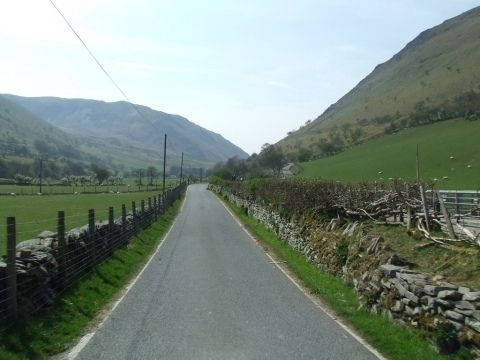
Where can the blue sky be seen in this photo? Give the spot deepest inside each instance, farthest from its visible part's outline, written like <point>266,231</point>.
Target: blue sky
<point>250,70</point>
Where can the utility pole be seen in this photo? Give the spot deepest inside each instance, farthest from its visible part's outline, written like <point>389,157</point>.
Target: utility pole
<point>181,169</point>
<point>41,174</point>
<point>201,175</point>
<point>164,161</point>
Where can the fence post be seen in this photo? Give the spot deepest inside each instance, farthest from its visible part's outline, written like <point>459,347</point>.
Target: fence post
<point>457,205</point>
<point>91,235</point>
<point>142,213</point>
<point>11,265</point>
<point>150,210</point>
<point>445,214</point>
<point>425,207</point>
<point>110,230</point>
<point>409,217</point>
<point>134,215</point>
<point>155,207</point>
<point>62,247</point>
<point>124,223</point>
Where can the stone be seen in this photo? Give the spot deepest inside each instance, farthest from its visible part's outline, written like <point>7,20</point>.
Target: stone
<point>417,310</point>
<point>463,289</point>
<point>464,305</point>
<point>412,278</point>
<point>390,270</point>
<point>406,294</point>
<point>455,316</point>
<point>444,303</point>
<point>416,289</point>
<point>46,234</point>
<point>409,310</point>
<point>471,296</point>
<point>437,278</point>
<point>449,295</point>
<point>448,286</point>
<point>428,301</point>
<point>475,325</point>
<point>434,289</point>
<point>398,307</point>
<point>476,315</point>
<point>464,312</point>
<point>406,301</point>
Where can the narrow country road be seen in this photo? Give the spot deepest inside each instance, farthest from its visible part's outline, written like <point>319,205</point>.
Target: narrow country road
<point>211,293</point>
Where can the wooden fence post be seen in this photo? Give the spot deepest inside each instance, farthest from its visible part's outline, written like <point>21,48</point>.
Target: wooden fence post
<point>425,207</point>
<point>11,266</point>
<point>142,216</point>
<point>124,223</point>
<point>62,247</point>
<point>110,230</point>
<point>150,215</point>
<point>91,235</point>
<point>155,208</point>
<point>457,205</point>
<point>446,216</point>
<point>134,215</point>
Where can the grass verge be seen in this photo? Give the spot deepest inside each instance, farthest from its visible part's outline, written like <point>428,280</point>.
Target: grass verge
<point>392,340</point>
<point>52,332</point>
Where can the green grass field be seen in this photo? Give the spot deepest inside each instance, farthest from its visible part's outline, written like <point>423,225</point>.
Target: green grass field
<point>129,186</point>
<point>37,213</point>
<point>50,332</point>
<point>394,156</point>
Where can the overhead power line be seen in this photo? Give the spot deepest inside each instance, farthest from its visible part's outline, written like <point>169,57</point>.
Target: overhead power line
<point>97,61</point>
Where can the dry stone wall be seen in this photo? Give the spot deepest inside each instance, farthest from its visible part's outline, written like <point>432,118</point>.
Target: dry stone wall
<point>384,281</point>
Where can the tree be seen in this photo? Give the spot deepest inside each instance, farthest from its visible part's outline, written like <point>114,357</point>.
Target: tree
<point>101,173</point>
<point>272,158</point>
<point>304,154</point>
<point>152,172</point>
<point>356,134</point>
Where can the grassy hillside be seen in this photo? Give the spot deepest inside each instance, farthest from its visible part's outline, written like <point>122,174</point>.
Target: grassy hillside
<point>431,79</point>
<point>25,137</point>
<point>394,155</point>
<point>117,130</point>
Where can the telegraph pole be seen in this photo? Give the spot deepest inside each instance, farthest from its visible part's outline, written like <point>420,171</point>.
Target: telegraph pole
<point>181,169</point>
<point>201,175</point>
<point>164,161</point>
<point>41,174</point>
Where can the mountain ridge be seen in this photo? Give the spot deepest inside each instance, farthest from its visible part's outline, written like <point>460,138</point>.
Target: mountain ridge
<point>431,70</point>
<point>118,122</point>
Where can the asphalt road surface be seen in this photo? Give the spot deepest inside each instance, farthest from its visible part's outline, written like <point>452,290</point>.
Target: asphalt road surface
<point>211,293</point>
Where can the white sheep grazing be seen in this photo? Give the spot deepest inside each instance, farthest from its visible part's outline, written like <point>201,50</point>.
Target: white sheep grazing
<point>13,194</point>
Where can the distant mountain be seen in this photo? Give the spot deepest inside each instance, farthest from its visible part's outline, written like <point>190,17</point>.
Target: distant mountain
<point>434,78</point>
<point>24,136</point>
<point>128,137</point>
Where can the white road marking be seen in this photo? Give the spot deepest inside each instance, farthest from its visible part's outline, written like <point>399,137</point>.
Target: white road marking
<point>312,298</point>
<point>86,338</point>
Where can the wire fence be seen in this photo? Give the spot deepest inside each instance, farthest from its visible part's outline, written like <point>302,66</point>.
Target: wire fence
<point>420,206</point>
<point>34,272</point>
<point>16,190</point>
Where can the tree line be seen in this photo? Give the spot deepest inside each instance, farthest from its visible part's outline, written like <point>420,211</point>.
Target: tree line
<point>269,162</point>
